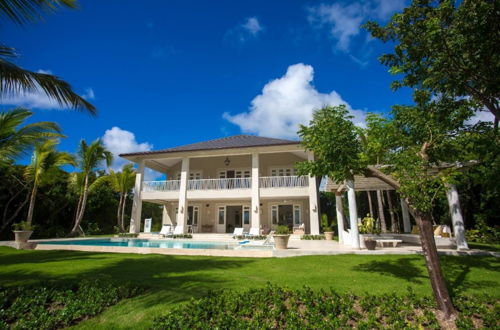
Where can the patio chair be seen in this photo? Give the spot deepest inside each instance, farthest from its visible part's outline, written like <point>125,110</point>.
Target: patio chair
<point>253,232</point>
<point>165,230</point>
<point>178,230</point>
<point>238,231</point>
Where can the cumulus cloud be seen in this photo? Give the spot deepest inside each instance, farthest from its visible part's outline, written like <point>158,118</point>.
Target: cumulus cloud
<point>343,21</point>
<point>287,102</point>
<point>38,99</point>
<point>120,141</point>
<point>249,29</point>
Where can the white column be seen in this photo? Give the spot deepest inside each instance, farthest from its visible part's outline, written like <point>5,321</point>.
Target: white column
<point>166,219</point>
<point>340,215</point>
<point>406,216</point>
<point>353,214</point>
<point>255,211</point>
<point>456,217</point>
<point>135,217</point>
<point>313,201</point>
<point>182,209</point>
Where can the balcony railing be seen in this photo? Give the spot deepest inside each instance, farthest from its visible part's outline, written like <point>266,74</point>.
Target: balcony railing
<point>224,184</point>
<point>283,181</point>
<point>170,185</point>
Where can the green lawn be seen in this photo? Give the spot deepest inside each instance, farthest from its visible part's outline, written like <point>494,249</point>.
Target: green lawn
<point>175,279</point>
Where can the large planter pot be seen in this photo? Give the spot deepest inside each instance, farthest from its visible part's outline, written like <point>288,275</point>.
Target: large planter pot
<point>281,241</point>
<point>329,235</point>
<point>370,244</point>
<point>22,236</point>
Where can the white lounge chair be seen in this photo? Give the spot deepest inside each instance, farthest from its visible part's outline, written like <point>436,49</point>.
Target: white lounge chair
<point>165,230</point>
<point>179,230</point>
<point>238,231</point>
<point>253,232</point>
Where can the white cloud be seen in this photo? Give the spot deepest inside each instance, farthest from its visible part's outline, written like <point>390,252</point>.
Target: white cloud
<point>249,29</point>
<point>120,141</point>
<point>252,25</point>
<point>38,99</point>
<point>344,21</point>
<point>287,102</point>
<point>485,116</point>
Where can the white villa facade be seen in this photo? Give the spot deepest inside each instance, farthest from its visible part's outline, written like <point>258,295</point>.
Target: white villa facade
<point>238,181</point>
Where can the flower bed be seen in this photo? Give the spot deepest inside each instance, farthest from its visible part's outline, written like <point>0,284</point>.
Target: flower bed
<point>274,307</point>
<point>51,306</point>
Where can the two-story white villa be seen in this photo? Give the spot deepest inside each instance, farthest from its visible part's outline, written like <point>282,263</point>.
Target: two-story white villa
<point>237,181</point>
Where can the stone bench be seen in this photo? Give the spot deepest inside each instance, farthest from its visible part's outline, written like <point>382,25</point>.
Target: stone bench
<point>394,242</point>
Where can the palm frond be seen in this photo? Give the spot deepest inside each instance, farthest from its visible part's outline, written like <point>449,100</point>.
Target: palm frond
<point>15,80</point>
<point>26,11</point>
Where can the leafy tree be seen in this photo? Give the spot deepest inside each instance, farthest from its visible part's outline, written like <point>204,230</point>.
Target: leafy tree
<point>446,47</point>
<point>16,140</point>
<point>14,79</point>
<point>45,158</point>
<point>423,138</point>
<point>89,158</point>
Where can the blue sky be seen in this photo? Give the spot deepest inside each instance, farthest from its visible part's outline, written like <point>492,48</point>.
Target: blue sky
<point>167,73</point>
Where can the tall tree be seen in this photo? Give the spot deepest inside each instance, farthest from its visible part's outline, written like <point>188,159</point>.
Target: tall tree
<point>446,47</point>
<point>421,137</point>
<point>89,158</point>
<point>14,79</point>
<point>45,158</point>
<point>16,140</point>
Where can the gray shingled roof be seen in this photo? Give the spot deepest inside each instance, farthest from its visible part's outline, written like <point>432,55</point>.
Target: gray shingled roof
<point>236,141</point>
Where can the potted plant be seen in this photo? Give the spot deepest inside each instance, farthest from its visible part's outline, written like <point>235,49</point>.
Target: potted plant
<point>327,228</point>
<point>22,231</point>
<point>367,226</point>
<point>281,237</point>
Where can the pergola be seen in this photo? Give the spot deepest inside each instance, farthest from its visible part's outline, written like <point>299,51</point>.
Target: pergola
<point>368,184</point>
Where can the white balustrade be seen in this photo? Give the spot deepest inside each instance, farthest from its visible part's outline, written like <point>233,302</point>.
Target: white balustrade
<point>232,183</point>
<point>170,185</point>
<point>283,181</point>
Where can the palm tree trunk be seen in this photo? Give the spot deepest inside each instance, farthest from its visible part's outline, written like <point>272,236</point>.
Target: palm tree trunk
<point>29,218</point>
<point>123,212</point>
<point>381,215</point>
<point>370,204</point>
<point>394,221</point>
<point>118,211</point>
<point>79,215</point>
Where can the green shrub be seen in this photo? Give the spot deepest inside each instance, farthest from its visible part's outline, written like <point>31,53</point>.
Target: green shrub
<point>313,237</point>
<point>51,306</point>
<point>92,228</point>
<point>275,307</point>
<point>23,225</point>
<point>183,236</point>
<point>130,235</point>
<point>282,230</point>
<point>258,237</point>
<point>482,233</point>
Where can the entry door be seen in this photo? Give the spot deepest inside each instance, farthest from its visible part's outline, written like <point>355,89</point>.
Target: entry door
<point>221,219</point>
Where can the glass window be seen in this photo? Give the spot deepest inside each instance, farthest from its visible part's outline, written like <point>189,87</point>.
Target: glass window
<point>222,174</point>
<point>222,210</point>
<point>296,215</point>
<point>274,214</point>
<point>195,215</point>
<point>246,215</point>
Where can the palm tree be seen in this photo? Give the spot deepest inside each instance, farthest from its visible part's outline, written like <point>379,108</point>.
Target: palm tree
<point>45,158</point>
<point>89,158</point>
<point>16,140</point>
<point>14,79</point>
<point>121,182</point>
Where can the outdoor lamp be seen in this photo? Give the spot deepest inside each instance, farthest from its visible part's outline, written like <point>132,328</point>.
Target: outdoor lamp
<point>227,161</point>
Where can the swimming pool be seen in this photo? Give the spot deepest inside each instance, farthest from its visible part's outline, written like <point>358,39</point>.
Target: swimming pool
<point>147,243</point>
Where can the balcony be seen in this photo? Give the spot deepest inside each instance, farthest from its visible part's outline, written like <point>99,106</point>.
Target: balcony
<point>228,184</point>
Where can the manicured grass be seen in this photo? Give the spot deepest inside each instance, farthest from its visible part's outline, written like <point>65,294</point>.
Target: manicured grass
<point>175,279</point>
<point>484,246</point>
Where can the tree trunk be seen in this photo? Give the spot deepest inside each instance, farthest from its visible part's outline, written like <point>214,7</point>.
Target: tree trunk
<point>394,222</point>
<point>119,212</point>
<point>424,222</point>
<point>122,223</point>
<point>381,215</point>
<point>79,216</point>
<point>370,204</point>
<point>29,218</point>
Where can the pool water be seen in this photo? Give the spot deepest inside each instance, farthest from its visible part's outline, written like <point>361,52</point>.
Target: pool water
<point>126,242</point>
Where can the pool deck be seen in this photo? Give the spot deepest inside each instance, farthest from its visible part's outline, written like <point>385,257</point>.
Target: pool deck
<point>296,247</point>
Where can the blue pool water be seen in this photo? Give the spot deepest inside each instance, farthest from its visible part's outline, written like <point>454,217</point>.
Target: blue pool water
<point>125,242</point>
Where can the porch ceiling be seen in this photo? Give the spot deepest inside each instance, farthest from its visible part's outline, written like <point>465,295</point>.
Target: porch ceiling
<point>361,183</point>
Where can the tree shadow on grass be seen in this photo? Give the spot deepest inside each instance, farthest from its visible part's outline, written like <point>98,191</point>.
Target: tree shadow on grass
<point>403,268</point>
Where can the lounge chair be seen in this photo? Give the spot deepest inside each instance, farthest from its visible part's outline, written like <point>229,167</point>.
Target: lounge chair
<point>165,230</point>
<point>253,232</point>
<point>178,230</point>
<point>238,231</point>
<point>267,241</point>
